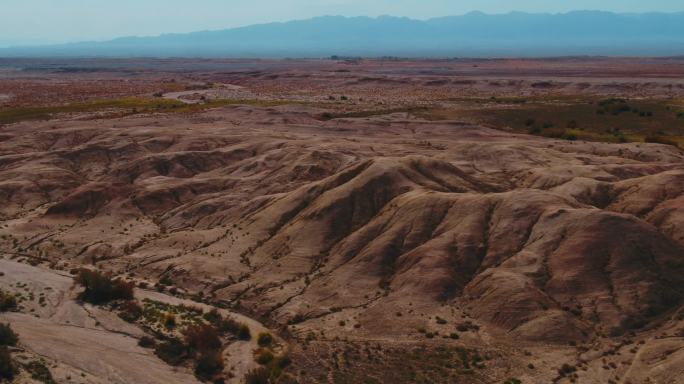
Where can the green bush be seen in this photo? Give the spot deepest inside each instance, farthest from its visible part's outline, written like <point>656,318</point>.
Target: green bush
<point>7,336</point>
<point>100,289</point>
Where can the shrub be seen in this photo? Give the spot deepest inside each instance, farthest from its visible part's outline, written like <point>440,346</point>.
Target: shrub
<point>208,365</point>
<point>172,351</point>
<point>512,381</point>
<point>278,364</point>
<point>169,321</point>
<point>7,368</point>
<point>265,339</point>
<point>40,372</point>
<point>213,316</point>
<point>7,301</point>
<point>243,333</point>
<point>660,140</point>
<point>467,326</point>
<point>264,357</point>
<point>7,336</point>
<point>229,326</point>
<point>298,318</point>
<point>257,376</point>
<point>327,116</point>
<point>146,342</point>
<point>566,369</point>
<point>101,289</point>
<point>130,311</point>
<point>202,338</point>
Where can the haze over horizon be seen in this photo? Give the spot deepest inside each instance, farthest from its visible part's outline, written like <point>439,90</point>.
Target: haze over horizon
<point>43,22</point>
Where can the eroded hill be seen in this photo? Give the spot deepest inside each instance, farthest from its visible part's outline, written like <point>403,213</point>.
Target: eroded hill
<point>513,254</point>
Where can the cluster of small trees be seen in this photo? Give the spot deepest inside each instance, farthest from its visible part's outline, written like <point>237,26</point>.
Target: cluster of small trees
<point>101,289</point>
<point>203,344</point>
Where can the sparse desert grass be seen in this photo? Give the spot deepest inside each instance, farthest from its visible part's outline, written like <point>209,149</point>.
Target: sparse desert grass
<point>131,105</point>
<point>158,315</point>
<point>369,363</point>
<point>125,106</point>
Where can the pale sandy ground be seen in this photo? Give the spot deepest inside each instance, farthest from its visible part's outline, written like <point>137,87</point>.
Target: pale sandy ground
<point>222,91</point>
<point>95,342</point>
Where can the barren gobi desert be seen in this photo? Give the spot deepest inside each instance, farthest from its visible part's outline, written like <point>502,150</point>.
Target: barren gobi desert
<point>356,218</point>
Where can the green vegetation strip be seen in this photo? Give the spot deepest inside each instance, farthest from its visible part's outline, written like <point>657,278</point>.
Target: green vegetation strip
<point>126,106</point>
<point>609,120</point>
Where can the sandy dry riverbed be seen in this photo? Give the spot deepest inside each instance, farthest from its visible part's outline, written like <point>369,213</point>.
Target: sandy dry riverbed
<point>92,343</point>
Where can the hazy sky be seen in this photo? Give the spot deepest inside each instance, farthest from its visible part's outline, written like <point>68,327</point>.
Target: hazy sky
<point>53,21</point>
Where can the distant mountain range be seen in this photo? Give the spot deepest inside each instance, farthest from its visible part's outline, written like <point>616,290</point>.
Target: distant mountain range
<point>474,34</point>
